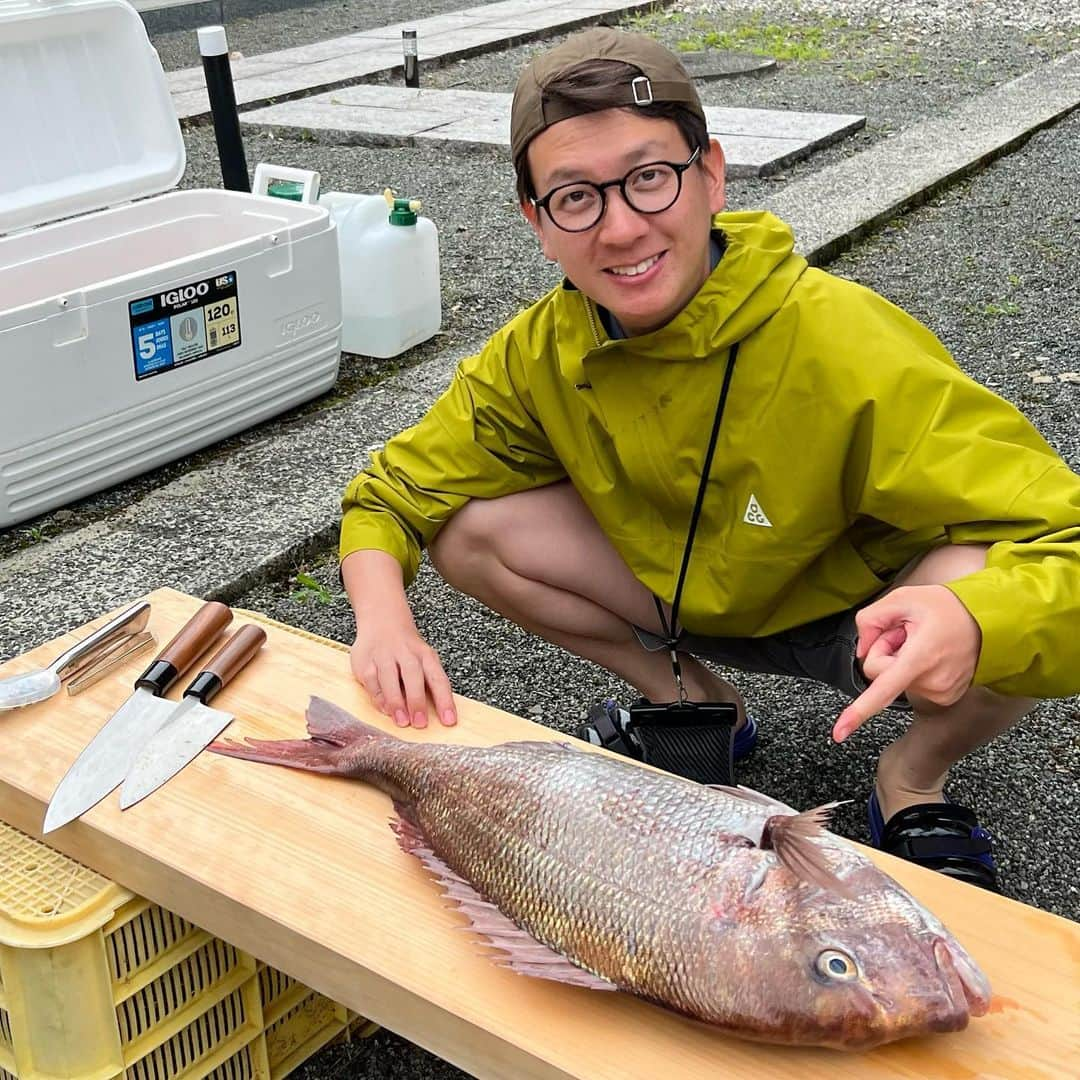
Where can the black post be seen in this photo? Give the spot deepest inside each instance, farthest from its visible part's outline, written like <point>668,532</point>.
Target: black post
<point>219,85</point>
<point>412,59</point>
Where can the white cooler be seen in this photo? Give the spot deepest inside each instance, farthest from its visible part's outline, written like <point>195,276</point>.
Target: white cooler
<point>134,332</point>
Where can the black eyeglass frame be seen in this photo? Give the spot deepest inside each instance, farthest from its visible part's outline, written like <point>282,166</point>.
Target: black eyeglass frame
<point>676,167</point>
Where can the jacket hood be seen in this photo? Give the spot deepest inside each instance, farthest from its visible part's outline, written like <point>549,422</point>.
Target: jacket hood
<point>746,287</point>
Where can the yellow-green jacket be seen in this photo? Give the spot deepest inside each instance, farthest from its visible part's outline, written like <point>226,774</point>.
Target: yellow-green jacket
<point>850,443</point>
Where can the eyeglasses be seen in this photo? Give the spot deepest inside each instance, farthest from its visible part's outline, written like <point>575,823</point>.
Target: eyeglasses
<point>648,189</point>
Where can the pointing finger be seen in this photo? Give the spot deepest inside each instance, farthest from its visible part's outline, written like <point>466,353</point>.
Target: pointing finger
<point>883,691</point>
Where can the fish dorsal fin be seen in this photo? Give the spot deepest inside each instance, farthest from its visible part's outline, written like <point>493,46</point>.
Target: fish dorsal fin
<point>553,745</point>
<point>330,723</point>
<point>524,954</point>
<point>751,796</point>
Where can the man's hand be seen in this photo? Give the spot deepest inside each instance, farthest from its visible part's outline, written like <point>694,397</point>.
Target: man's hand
<point>917,639</point>
<point>390,659</point>
<point>399,669</point>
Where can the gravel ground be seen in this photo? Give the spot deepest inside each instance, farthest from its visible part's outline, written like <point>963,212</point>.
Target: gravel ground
<point>991,266</point>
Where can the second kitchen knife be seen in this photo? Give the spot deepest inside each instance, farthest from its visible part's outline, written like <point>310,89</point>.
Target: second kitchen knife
<point>191,726</point>
<point>105,761</point>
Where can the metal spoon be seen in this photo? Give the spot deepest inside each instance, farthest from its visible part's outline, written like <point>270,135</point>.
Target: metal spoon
<point>31,686</point>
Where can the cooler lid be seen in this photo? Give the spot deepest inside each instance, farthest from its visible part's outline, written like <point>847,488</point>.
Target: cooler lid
<point>86,120</point>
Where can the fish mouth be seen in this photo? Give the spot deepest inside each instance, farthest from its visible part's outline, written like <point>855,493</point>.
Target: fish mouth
<point>966,988</point>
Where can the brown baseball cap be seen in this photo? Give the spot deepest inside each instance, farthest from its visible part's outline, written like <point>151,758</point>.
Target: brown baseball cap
<point>662,78</point>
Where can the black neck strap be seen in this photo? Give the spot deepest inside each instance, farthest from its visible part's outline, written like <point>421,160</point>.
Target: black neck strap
<point>672,632</point>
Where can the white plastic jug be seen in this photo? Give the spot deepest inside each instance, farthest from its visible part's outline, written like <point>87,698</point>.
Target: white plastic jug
<point>342,203</point>
<point>390,286</point>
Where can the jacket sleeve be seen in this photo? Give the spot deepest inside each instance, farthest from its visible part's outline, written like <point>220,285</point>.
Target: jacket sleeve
<point>938,449</point>
<point>481,439</point>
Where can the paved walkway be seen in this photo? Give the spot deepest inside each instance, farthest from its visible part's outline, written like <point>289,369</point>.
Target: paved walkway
<point>345,60</point>
<point>863,191</point>
<point>757,142</point>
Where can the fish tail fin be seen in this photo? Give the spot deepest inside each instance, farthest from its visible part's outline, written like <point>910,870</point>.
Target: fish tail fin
<point>335,737</point>
<point>295,753</point>
<point>791,837</point>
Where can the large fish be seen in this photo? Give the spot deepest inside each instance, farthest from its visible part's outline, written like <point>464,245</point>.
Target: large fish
<point>721,904</point>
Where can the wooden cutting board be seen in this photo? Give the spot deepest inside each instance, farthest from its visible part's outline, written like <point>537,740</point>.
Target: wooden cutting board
<point>303,872</point>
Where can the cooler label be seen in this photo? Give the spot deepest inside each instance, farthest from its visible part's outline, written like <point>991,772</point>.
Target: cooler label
<point>185,324</point>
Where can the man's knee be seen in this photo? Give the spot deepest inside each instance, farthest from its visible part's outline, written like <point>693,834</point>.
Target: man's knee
<point>510,530</point>
<point>465,541</point>
<point>947,563</point>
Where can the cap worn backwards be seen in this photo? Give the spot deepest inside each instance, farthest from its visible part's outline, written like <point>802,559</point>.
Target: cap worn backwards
<point>662,78</point>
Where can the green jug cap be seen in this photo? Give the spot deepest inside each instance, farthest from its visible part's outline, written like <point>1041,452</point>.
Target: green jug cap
<point>403,212</point>
<point>286,189</point>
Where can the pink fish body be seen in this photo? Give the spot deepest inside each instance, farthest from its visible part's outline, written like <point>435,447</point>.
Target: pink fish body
<point>721,904</point>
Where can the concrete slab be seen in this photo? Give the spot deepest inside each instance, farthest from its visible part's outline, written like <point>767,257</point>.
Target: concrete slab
<point>854,196</point>
<point>710,64</point>
<point>340,61</point>
<point>756,141</point>
<point>512,8</point>
<point>477,130</point>
<point>245,68</point>
<point>324,50</point>
<point>464,40</point>
<point>425,28</point>
<point>780,123</point>
<point>762,155</point>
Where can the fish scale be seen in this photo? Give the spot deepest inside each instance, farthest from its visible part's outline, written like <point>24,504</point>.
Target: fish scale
<point>597,915</point>
<point>721,904</point>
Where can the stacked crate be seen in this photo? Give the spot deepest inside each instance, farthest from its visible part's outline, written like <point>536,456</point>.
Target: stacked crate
<point>99,984</point>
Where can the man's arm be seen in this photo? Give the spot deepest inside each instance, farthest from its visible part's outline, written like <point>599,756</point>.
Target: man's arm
<point>479,440</point>
<point>949,453</point>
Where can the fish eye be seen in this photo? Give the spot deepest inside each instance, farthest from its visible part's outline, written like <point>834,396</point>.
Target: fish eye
<point>836,965</point>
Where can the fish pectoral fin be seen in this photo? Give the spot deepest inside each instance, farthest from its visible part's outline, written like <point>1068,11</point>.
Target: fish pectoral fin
<point>792,838</point>
<point>524,954</point>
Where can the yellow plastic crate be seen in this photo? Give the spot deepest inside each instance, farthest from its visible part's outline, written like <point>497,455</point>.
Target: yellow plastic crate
<point>98,984</point>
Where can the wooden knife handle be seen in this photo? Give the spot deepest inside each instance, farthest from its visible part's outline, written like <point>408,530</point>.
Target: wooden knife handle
<point>236,652</point>
<point>226,662</point>
<point>184,649</point>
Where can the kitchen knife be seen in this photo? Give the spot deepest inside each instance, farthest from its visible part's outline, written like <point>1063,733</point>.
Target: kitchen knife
<point>191,726</point>
<point>105,761</point>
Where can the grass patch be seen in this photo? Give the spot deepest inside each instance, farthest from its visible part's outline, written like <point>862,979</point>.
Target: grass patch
<point>996,309</point>
<point>787,41</point>
<point>309,590</point>
<point>764,39</point>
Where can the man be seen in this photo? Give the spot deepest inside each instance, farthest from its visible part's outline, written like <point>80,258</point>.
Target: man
<point>871,517</point>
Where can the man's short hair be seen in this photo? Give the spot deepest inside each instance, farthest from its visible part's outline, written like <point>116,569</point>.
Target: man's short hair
<point>595,70</point>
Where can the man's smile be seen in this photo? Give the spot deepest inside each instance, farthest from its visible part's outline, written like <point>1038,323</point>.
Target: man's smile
<point>636,269</point>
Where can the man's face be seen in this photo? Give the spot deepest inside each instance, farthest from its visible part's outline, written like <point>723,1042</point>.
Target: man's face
<point>644,268</point>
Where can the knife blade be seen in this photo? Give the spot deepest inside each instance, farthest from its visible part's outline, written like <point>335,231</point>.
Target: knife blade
<point>106,759</point>
<point>191,726</point>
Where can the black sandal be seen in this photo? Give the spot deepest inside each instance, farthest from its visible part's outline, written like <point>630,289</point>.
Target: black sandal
<point>940,836</point>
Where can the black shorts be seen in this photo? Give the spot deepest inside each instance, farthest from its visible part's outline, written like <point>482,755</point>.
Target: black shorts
<point>823,650</point>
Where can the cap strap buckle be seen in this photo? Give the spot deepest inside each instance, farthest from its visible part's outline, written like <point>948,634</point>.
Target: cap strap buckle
<point>641,88</point>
